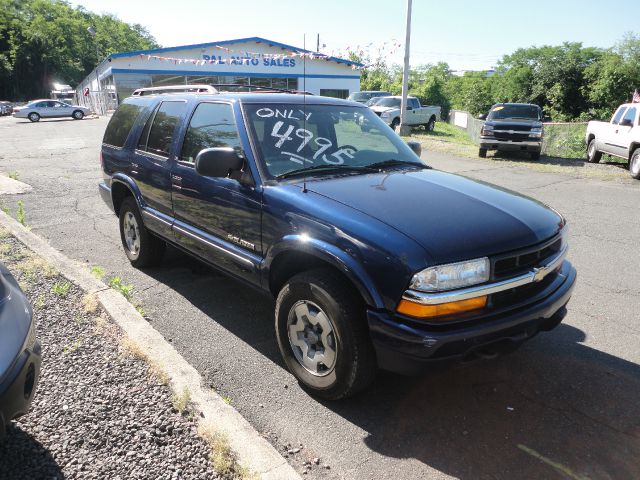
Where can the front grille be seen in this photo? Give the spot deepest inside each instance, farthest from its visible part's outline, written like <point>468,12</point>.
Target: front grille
<point>521,294</point>
<point>515,128</point>
<point>514,137</point>
<point>514,264</point>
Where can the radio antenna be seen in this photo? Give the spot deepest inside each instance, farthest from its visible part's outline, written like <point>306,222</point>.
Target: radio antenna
<point>304,103</point>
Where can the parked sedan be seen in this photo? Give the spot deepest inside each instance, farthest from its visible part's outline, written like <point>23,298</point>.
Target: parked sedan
<point>38,109</point>
<point>20,352</point>
<point>5,108</point>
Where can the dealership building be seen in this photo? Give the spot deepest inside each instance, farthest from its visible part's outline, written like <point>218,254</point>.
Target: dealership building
<point>247,61</point>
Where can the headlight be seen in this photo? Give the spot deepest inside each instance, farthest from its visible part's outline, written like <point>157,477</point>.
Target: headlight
<point>536,132</point>
<point>385,115</point>
<point>452,276</point>
<point>564,237</point>
<point>486,130</point>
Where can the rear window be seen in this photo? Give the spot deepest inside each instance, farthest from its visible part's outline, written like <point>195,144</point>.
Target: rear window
<point>121,123</point>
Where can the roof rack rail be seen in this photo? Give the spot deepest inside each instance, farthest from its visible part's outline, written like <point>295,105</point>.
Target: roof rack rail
<point>220,87</point>
<point>196,88</point>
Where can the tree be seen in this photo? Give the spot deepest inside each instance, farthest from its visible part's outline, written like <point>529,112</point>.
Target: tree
<point>42,41</point>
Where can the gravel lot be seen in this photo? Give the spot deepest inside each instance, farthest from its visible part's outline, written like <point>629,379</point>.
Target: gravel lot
<point>99,412</point>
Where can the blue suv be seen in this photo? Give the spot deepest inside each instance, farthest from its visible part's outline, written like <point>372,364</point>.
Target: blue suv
<point>375,259</point>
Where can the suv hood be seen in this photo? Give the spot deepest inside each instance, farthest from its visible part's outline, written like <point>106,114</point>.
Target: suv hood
<point>516,122</point>
<point>376,108</point>
<point>453,218</point>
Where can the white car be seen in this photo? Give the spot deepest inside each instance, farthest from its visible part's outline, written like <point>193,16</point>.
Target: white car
<point>619,137</point>
<point>44,108</point>
<point>388,109</point>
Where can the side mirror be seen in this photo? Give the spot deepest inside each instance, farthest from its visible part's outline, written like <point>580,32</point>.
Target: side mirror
<point>218,162</point>
<point>482,116</point>
<point>546,118</point>
<point>415,146</point>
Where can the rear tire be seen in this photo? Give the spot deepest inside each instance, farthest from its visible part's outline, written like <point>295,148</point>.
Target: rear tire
<point>78,115</point>
<point>431,125</point>
<point>143,249</point>
<point>593,155</point>
<point>482,153</point>
<point>323,335</point>
<point>634,164</point>
<point>34,117</point>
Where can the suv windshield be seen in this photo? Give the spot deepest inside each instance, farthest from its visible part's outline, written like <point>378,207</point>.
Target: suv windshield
<point>293,137</point>
<point>359,96</point>
<point>389,102</point>
<point>529,112</point>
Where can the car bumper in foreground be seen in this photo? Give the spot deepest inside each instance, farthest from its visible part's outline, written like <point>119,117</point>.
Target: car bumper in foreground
<point>403,347</point>
<point>19,385</point>
<point>490,143</point>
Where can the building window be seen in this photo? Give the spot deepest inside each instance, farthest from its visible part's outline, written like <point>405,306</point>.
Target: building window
<point>334,92</point>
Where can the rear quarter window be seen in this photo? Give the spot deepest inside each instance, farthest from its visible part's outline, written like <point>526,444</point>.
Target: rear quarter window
<point>121,123</point>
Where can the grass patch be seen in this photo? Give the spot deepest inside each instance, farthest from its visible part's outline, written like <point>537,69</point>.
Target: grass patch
<point>89,304</point>
<point>181,401</point>
<point>20,214</point>
<point>13,175</point>
<point>98,272</point>
<point>71,348</point>
<point>445,138</point>
<point>224,460</point>
<point>125,289</point>
<point>61,289</point>
<point>564,141</point>
<point>34,266</point>
<point>141,311</point>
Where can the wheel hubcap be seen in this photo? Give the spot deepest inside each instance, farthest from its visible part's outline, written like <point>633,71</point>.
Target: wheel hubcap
<point>592,147</point>
<point>312,338</point>
<point>131,233</point>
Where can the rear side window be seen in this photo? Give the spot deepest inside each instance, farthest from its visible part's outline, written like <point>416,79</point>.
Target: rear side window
<point>212,125</point>
<point>121,123</point>
<point>618,115</point>
<point>164,124</point>
<point>630,116</point>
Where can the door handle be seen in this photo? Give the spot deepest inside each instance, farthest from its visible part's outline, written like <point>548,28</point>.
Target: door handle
<point>176,178</point>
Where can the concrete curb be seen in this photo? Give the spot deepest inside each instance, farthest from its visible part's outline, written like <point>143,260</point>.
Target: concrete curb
<point>253,451</point>
<point>9,186</point>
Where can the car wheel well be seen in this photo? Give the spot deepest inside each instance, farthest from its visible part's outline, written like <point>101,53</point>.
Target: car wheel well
<point>589,138</point>
<point>288,264</point>
<point>632,148</point>
<point>119,192</point>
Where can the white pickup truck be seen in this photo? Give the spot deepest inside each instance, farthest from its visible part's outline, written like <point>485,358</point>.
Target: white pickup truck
<point>388,108</point>
<point>619,137</point>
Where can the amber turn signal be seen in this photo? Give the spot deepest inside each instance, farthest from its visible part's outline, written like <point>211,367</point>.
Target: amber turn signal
<point>419,310</point>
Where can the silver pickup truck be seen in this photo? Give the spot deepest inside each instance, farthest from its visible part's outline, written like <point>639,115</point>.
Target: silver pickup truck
<point>619,137</point>
<point>388,109</point>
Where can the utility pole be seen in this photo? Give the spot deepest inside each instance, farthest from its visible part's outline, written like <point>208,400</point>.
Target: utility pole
<point>318,43</point>
<point>405,129</point>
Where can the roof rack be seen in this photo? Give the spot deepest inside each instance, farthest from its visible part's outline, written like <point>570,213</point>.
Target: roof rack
<point>221,86</point>
<point>213,89</point>
<point>174,89</point>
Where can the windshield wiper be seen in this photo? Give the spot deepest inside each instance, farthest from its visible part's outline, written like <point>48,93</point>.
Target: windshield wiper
<point>324,168</point>
<point>392,162</point>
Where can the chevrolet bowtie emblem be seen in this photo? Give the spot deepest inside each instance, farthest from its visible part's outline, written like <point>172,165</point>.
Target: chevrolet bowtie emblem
<point>539,274</point>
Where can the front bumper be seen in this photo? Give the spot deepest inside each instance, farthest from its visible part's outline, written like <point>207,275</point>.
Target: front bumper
<point>492,143</point>
<point>19,385</point>
<point>405,346</point>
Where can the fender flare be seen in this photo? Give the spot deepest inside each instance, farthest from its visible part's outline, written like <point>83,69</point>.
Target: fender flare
<point>332,255</point>
<point>130,184</point>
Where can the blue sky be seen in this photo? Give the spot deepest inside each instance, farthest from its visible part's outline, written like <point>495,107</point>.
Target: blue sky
<point>468,34</point>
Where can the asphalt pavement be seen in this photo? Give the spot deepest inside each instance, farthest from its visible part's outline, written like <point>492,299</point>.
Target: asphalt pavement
<point>563,406</point>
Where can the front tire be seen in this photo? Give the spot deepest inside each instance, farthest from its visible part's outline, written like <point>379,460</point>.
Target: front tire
<point>142,248</point>
<point>78,115</point>
<point>634,164</point>
<point>482,153</point>
<point>34,117</point>
<point>323,336</point>
<point>534,155</point>
<point>394,124</point>
<point>593,155</point>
